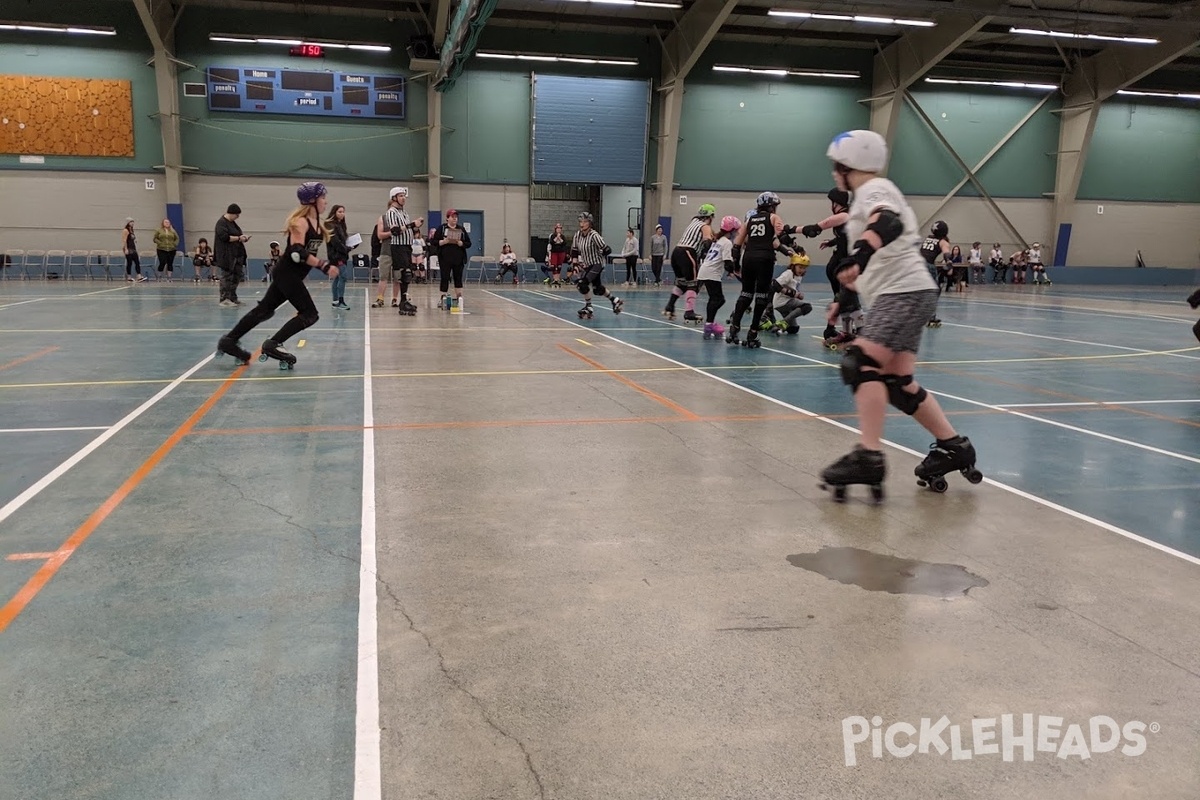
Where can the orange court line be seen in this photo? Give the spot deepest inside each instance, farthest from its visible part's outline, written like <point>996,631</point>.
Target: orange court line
<point>162,311</point>
<point>29,556</point>
<point>23,359</point>
<point>632,384</point>
<point>35,584</point>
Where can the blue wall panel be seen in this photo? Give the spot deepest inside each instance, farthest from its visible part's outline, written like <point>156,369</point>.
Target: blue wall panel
<point>590,130</point>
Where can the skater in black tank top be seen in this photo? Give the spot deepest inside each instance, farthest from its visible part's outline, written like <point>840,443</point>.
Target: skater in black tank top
<point>305,235</point>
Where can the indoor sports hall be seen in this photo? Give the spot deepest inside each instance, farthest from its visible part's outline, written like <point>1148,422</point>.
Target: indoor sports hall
<point>507,549</point>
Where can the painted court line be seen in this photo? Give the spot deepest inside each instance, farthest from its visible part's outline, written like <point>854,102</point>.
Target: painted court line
<point>1135,350</point>
<point>106,291</point>
<point>29,557</point>
<point>23,302</point>
<point>637,387</point>
<point>990,481</point>
<point>33,491</point>
<point>368,770</point>
<point>26,359</point>
<point>55,430</point>
<point>1097,403</point>
<point>48,570</point>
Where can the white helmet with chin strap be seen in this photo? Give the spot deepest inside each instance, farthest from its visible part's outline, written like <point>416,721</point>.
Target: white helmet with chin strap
<point>865,151</point>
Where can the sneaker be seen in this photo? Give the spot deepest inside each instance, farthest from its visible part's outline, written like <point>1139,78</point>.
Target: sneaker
<point>226,304</point>
<point>395,303</point>
<point>141,278</point>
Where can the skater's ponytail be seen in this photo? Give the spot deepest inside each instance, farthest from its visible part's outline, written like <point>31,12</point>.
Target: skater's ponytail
<point>301,213</point>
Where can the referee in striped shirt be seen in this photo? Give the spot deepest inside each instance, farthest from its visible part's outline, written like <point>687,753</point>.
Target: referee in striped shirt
<point>589,250</point>
<point>402,228</point>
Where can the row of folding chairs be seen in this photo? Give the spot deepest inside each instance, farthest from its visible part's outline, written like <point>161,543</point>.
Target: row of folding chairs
<point>77,264</point>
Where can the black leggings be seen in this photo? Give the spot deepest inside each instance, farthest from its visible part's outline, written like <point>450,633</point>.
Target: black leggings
<point>1196,330</point>
<point>287,286</point>
<point>656,268</point>
<point>716,299</point>
<point>132,260</point>
<point>455,271</point>
<point>166,260</point>
<point>631,269</point>
<point>756,288</point>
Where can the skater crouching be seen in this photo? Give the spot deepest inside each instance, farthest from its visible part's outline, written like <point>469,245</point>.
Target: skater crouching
<point>887,269</point>
<point>305,235</point>
<point>788,300</point>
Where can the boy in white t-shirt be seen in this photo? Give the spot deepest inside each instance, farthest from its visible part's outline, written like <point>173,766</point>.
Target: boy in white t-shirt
<point>886,268</point>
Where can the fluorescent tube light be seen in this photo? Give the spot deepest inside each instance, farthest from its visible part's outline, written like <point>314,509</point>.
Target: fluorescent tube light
<point>50,27</point>
<point>612,62</point>
<point>864,19</point>
<point>1091,36</point>
<point>783,72</point>
<point>641,3</point>
<point>1175,95</point>
<point>290,42</point>
<point>331,44</point>
<point>1049,87</point>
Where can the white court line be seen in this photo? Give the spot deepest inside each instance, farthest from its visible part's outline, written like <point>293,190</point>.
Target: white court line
<point>1096,403</point>
<point>1140,350</point>
<point>368,780</point>
<point>23,302</point>
<point>53,430</point>
<point>990,481</point>
<point>24,497</point>
<point>1091,312</point>
<point>103,291</point>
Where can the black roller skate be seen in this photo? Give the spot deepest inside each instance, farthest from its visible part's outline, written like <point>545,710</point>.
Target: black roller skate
<point>934,322</point>
<point>669,312</point>
<point>946,456</point>
<point>230,347</point>
<point>617,304</point>
<point>272,349</point>
<point>1194,299</point>
<point>692,317</point>
<point>858,466</point>
<point>732,336</point>
<point>752,341</point>
<point>587,311</point>
<point>407,309</point>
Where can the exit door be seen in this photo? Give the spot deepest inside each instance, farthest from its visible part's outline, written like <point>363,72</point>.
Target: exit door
<point>472,223</point>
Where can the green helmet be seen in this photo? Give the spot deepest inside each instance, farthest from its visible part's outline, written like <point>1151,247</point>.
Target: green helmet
<point>707,210</point>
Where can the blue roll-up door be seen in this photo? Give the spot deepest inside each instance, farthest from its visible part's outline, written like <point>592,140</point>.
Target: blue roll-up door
<point>590,130</point>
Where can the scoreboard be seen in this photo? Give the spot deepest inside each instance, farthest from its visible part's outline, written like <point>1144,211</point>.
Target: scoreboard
<point>261,90</point>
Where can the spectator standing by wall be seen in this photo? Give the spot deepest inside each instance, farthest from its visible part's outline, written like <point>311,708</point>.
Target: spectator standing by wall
<point>629,252</point>
<point>658,251</point>
<point>229,250</point>
<point>166,242</point>
<point>129,248</point>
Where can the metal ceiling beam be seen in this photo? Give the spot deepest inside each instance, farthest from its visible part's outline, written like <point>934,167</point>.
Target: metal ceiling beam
<point>902,63</point>
<point>1096,79</point>
<point>441,19</point>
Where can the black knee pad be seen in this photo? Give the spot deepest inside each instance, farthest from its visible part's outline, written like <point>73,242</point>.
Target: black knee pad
<point>908,402</point>
<point>805,309</point>
<point>1196,330</point>
<point>854,360</point>
<point>406,275</point>
<point>583,286</point>
<point>309,319</point>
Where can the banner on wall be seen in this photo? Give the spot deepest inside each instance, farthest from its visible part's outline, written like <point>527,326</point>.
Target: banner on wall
<point>260,90</point>
<point>65,116</point>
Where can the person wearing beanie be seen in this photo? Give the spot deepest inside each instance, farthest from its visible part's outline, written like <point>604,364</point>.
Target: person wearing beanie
<point>229,253</point>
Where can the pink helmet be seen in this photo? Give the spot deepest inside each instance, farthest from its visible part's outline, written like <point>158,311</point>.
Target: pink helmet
<point>730,224</point>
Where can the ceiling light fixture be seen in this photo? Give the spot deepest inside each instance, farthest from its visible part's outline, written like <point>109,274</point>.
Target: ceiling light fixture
<point>1175,95</point>
<point>860,18</point>
<point>49,27</point>
<point>1091,36</point>
<point>330,44</point>
<point>612,62</point>
<point>642,3</point>
<point>1048,87</point>
<point>782,72</point>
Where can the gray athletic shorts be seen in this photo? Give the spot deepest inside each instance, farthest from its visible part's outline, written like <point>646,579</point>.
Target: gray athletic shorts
<point>897,321</point>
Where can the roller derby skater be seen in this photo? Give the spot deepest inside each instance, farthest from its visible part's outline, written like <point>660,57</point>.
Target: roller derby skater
<point>839,204</point>
<point>848,309</point>
<point>686,258</point>
<point>589,248</point>
<point>1034,254</point>
<point>999,267</point>
<point>1194,301</point>
<point>936,246</point>
<point>403,230</point>
<point>450,242</point>
<point>788,299</point>
<point>717,261</point>
<point>757,241</point>
<point>887,270</point>
<point>305,235</point>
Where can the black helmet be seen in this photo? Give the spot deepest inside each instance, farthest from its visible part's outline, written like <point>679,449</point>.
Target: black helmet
<point>940,230</point>
<point>839,197</point>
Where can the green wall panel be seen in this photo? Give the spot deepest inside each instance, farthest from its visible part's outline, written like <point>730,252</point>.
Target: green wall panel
<point>486,121</point>
<point>758,135</point>
<point>1144,152</point>
<point>973,122</point>
<point>120,57</point>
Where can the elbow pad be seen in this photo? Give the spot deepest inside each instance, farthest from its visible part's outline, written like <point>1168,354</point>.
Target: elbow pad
<point>775,287</point>
<point>888,227</point>
<point>295,253</point>
<point>574,252</point>
<point>737,254</point>
<point>861,255</point>
<point>607,250</point>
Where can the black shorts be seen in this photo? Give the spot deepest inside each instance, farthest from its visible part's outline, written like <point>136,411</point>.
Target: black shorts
<point>401,257</point>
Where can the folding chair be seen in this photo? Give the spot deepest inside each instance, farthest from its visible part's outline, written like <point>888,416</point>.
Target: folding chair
<point>114,265</point>
<point>474,262</point>
<point>34,264</point>
<point>14,265</point>
<point>55,264</point>
<point>149,259</point>
<point>529,270</point>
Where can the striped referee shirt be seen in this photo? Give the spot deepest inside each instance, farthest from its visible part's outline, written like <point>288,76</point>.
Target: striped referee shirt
<point>693,235</point>
<point>398,218</point>
<point>590,246</point>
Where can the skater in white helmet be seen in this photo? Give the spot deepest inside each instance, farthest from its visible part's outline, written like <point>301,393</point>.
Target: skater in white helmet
<point>887,270</point>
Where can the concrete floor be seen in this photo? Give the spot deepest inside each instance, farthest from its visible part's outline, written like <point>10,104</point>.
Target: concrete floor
<point>601,573</point>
